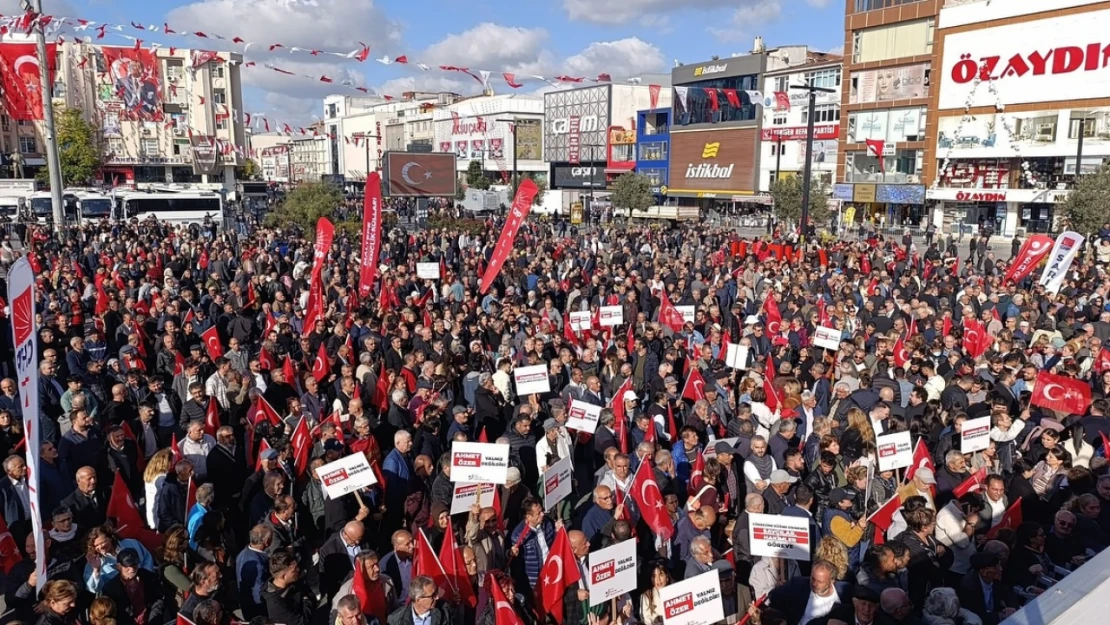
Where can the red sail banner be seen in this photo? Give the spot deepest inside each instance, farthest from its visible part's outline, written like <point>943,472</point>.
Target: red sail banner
<point>522,205</point>
<point>325,234</point>
<point>21,81</point>
<point>1032,252</point>
<point>371,233</point>
<point>135,82</point>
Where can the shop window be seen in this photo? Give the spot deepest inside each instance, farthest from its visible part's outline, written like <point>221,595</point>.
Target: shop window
<point>1089,127</point>
<point>782,83</point>
<point>656,151</point>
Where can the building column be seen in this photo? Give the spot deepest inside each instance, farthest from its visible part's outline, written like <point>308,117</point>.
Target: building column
<point>1013,215</point>
<point>938,216</point>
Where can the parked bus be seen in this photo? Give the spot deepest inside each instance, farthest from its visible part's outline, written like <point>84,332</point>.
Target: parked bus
<point>93,205</point>
<point>174,207</point>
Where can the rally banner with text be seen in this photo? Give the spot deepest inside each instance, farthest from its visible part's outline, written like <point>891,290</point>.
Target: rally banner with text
<point>1063,253</point>
<point>694,601</point>
<point>21,294</point>
<point>522,205</point>
<point>314,307</point>
<point>1031,254</point>
<point>479,463</point>
<point>371,234</point>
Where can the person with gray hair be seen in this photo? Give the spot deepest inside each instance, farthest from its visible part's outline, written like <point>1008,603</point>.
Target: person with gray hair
<point>942,607</point>
<point>421,608</point>
<point>700,559</point>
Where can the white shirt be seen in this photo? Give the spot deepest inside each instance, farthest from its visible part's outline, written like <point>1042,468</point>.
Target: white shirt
<point>542,542</point>
<point>818,606</point>
<point>259,382</point>
<point>150,489</point>
<point>197,453</point>
<point>166,417</point>
<point>997,509</point>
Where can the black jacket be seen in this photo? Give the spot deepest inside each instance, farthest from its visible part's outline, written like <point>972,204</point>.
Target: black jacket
<point>170,509</point>
<point>89,511</point>
<point>289,606</point>
<point>153,598</point>
<point>228,475</point>
<point>335,564</point>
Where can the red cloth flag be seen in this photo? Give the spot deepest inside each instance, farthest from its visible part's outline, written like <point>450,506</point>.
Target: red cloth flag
<point>371,596</point>
<point>875,148</point>
<point>371,234</point>
<point>973,484</point>
<point>252,297</point>
<point>9,551</point>
<point>425,562</point>
<point>568,331</point>
<point>503,611</point>
<point>482,436</point>
<point>782,101</point>
<point>212,417</point>
<point>671,430</point>
<point>733,99</point>
<point>653,95</point>
<point>510,79</point>
<point>773,316</point>
<point>695,386</point>
<point>946,328</point>
<point>320,368</point>
<point>522,204</point>
<point>130,435</point>
<point>921,460</point>
<point>1102,363</point>
<point>1058,392</point>
<point>302,446</point>
<point>498,508</point>
<point>901,354</point>
<point>288,371</point>
<point>263,446</point>
<point>262,409</point>
<point>1011,519</point>
<point>123,511</point>
<point>454,569</point>
<point>769,385</point>
<point>711,92</point>
<point>181,620</point>
<point>823,313</point>
<point>177,455</point>
<point>620,419</point>
<point>696,480</point>
<point>1032,252</point>
<point>669,316</point>
<point>211,340</point>
<point>649,500</point>
<point>559,573</point>
<point>190,497</point>
<point>1105,445</point>
<point>271,325</point>
<point>884,517</point>
<point>975,339</point>
<point>101,300</point>
<point>265,360</point>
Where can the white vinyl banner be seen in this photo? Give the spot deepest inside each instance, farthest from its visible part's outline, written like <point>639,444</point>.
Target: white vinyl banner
<point>580,321</point>
<point>975,435</point>
<point>694,601</point>
<point>427,271</point>
<point>736,356</point>
<point>687,312</point>
<point>778,536</point>
<point>21,295</point>
<point>531,380</point>
<point>1059,260</point>
<point>346,475</point>
<point>611,316</point>
<point>466,495</point>
<point>557,483</point>
<point>828,338</point>
<point>479,462</point>
<point>895,450</point>
<point>612,571</point>
<point>583,417</point>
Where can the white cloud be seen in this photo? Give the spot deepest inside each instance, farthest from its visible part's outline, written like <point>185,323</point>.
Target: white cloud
<point>747,20</point>
<point>820,4</point>
<point>624,11</point>
<point>620,59</point>
<point>487,45</point>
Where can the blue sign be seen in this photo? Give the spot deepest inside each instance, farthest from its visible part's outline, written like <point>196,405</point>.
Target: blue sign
<point>900,193</point>
<point>842,192</point>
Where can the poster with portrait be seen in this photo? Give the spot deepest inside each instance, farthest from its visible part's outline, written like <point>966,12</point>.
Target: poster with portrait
<point>528,136</point>
<point>496,148</point>
<point>135,82</point>
<point>892,83</point>
<point>462,149</point>
<point>477,148</point>
<point>110,127</point>
<point>444,146</point>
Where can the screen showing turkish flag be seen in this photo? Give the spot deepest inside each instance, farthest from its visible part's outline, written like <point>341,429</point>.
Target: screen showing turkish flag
<point>19,76</point>
<point>415,174</point>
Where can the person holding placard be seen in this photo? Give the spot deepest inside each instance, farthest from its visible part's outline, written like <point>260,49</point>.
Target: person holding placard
<point>487,541</point>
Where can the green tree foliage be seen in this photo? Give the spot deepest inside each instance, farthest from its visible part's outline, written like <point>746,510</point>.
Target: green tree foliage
<point>305,205</point>
<point>788,201</point>
<point>248,170</point>
<point>80,149</point>
<point>1086,208</point>
<point>541,186</point>
<point>632,191</point>
<point>476,176</point>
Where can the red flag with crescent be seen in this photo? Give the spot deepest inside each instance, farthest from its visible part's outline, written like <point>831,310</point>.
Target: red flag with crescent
<point>1032,252</point>
<point>1061,393</point>
<point>695,386</point>
<point>921,460</point>
<point>559,573</point>
<point>1010,519</point>
<point>211,340</point>
<point>975,483</point>
<point>649,500</point>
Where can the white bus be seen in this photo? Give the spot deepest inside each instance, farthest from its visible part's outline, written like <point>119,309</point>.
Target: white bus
<point>40,206</point>
<point>174,207</point>
<point>9,207</point>
<point>93,206</point>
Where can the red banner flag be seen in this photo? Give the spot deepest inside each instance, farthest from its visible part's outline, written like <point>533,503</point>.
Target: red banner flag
<point>371,233</point>
<point>1058,392</point>
<point>320,368</point>
<point>1102,363</point>
<point>884,517</point>
<point>211,340</point>
<point>454,569</point>
<point>21,80</point>
<point>901,354</point>
<point>669,316</point>
<point>190,497</point>
<point>177,455</point>
<point>875,148</point>
<point>695,386</point>
<point>976,340</point>
<point>769,385</point>
<point>302,446</point>
<point>711,93</point>
<point>425,562</point>
<point>212,417</point>
<point>653,95</point>
<point>620,419</point>
<point>522,205</point>
<point>672,432</point>
<point>921,460</point>
<point>503,611</point>
<point>696,480</point>
<point>288,371</point>
<point>774,317</point>
<point>128,520</point>
<point>559,573</point>
<point>645,492</point>
<point>973,484</point>
<point>9,552</point>
<point>1032,252</point>
<point>1010,519</point>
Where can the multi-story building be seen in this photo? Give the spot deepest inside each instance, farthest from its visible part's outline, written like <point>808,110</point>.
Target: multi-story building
<point>888,58</point>
<point>310,158</point>
<point>653,148</point>
<point>783,135</point>
<point>502,132</point>
<point>165,115</point>
<point>1021,97</point>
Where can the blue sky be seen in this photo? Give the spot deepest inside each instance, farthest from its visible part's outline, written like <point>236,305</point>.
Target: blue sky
<point>571,37</point>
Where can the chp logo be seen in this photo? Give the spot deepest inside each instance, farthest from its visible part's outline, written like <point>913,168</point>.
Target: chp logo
<point>466,460</point>
<point>23,326</point>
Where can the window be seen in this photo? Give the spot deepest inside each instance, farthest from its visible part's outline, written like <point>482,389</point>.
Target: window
<point>5,122</point>
<point>221,122</point>
<point>174,72</point>
<point>1089,127</point>
<point>893,41</point>
<point>862,6</point>
<point>655,151</point>
<point>150,146</point>
<point>115,145</point>
<point>27,145</point>
<point>219,96</point>
<point>699,110</point>
<point>218,71</point>
<point>779,119</point>
<point>656,177</point>
<point>825,78</point>
<point>824,114</point>
<point>778,148</point>
<point>333,111</point>
<point>782,83</point>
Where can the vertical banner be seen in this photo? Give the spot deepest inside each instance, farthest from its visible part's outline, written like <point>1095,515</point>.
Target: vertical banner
<point>21,82</point>
<point>325,233</point>
<point>574,140</point>
<point>653,95</point>
<point>1067,247</point>
<point>371,234</point>
<point>21,294</point>
<point>522,204</point>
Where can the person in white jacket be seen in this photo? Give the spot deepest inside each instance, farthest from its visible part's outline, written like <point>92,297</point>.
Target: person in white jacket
<point>955,529</point>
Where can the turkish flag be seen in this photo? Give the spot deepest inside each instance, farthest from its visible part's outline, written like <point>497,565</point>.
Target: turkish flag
<point>503,611</point>
<point>773,316</point>
<point>1102,363</point>
<point>302,446</point>
<point>976,340</point>
<point>380,400</point>
<point>921,460</point>
<point>559,573</point>
<point>974,484</point>
<point>178,363</point>
<point>1010,519</point>
<point>265,360</point>
<point>696,480</point>
<point>212,342</point>
<point>263,446</point>
<point>191,497</point>
<point>946,328</point>
<point>262,409</point>
<point>271,325</point>
<point>672,431</point>
<point>875,148</point>
<point>189,316</point>
<point>288,371</point>
<point>620,419</point>
<point>450,557</point>
<point>1058,392</point>
<point>252,297</point>
<point>901,354</point>
<point>320,368</point>
<point>483,437</point>
<point>425,562</point>
<point>669,316</point>
<point>182,620</point>
<point>769,385</point>
<point>1105,445</point>
<point>568,332</point>
<point>884,517</point>
<point>212,417</point>
<point>102,300</point>
<point>123,511</point>
<point>129,434</point>
<point>177,455</point>
<point>648,498</point>
<point>9,552</point>
<point>695,386</point>
<point>522,205</point>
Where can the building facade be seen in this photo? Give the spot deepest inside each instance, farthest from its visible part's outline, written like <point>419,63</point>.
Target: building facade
<point>888,61</point>
<point>653,148</point>
<point>1018,85</point>
<point>310,158</point>
<point>502,132</point>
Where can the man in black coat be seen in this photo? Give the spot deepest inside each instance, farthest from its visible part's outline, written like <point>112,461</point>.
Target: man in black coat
<point>227,472</point>
<point>88,503</point>
<point>287,599</point>
<point>135,583</point>
<point>793,597</point>
<point>982,592</point>
<point>335,556</point>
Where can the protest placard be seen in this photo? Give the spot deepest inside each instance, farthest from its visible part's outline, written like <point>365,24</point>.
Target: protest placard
<point>693,601</point>
<point>778,536</point>
<point>611,316</point>
<point>580,321</point>
<point>975,435</point>
<point>557,483</point>
<point>736,356</point>
<point>612,571</point>
<point>583,417</point>
<point>687,312</point>
<point>531,380</point>
<point>427,271</point>
<point>895,451</point>
<point>829,338</point>
<point>466,495</point>
<point>346,475</point>
<point>479,462</point>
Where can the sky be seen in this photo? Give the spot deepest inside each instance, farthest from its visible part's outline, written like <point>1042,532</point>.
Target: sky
<point>553,37</point>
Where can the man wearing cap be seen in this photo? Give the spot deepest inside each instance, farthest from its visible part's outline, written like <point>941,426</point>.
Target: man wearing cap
<point>839,522</point>
<point>982,592</point>
<point>774,497</point>
<point>731,480</point>
<point>921,486</point>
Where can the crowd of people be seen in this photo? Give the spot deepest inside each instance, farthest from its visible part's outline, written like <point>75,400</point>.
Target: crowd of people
<point>178,475</point>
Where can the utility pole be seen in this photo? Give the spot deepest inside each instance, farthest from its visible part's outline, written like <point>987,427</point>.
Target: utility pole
<point>1079,151</point>
<point>808,171</point>
<point>53,165</point>
<point>512,129</point>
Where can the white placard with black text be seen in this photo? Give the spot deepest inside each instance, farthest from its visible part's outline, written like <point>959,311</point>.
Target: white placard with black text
<point>612,571</point>
<point>975,435</point>
<point>557,483</point>
<point>346,475</point>
<point>583,417</point>
<point>427,271</point>
<point>778,536</point>
<point>611,316</point>
<point>466,495</point>
<point>531,380</point>
<point>694,601</point>
<point>895,451</point>
<point>479,462</point>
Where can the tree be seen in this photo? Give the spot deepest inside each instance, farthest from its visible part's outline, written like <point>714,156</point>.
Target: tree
<point>80,149</point>
<point>476,176</point>
<point>632,191</point>
<point>248,170</point>
<point>305,205</point>
<point>541,187</point>
<point>787,193</point>
<point>1085,209</point>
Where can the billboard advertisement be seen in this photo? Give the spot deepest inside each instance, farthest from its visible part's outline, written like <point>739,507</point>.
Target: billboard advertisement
<point>416,174</point>
<point>891,83</point>
<point>134,81</point>
<point>20,79</point>
<point>529,140</point>
<point>576,124</point>
<point>1056,59</point>
<point>709,164</point>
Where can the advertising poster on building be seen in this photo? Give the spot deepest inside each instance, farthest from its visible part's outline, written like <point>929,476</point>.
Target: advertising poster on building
<point>612,571</point>
<point>135,81</point>
<point>583,417</point>
<point>778,536</point>
<point>611,316</point>
<point>466,495</point>
<point>21,80</point>
<point>528,139</point>
<point>462,149</point>
<point>479,463</point>
<point>694,601</point>
<point>477,148</point>
<point>557,483</point>
<point>531,380</point>
<point>496,148</point>
<point>205,154</point>
<point>895,451</point>
<point>346,475</point>
<point>891,83</point>
<point>975,435</point>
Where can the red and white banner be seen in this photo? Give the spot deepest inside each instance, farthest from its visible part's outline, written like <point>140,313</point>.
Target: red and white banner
<point>583,417</point>
<point>136,84</point>
<point>653,95</point>
<point>522,205</point>
<point>479,463</point>
<point>1061,393</point>
<point>1031,254</point>
<point>314,307</point>
<point>895,451</point>
<point>778,536</point>
<point>371,234</point>
<point>975,435</point>
<point>466,495</point>
<point>694,601</point>
<point>346,475</point>
<point>1063,253</point>
<point>531,380</point>
<point>612,571</point>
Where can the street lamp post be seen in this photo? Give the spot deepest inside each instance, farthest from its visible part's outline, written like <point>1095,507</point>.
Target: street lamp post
<point>1079,151</point>
<point>807,173</point>
<point>366,137</point>
<point>53,165</point>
